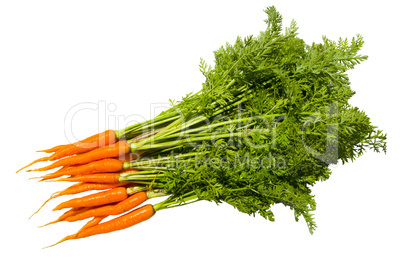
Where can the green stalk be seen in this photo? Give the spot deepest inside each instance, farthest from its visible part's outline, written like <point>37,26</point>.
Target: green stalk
<point>141,177</point>
<point>134,163</point>
<point>131,131</point>
<point>174,201</point>
<point>212,126</point>
<point>178,125</point>
<point>190,139</point>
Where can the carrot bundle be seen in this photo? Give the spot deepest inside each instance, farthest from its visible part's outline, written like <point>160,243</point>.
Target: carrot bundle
<point>95,164</point>
<point>102,198</point>
<point>253,136</point>
<point>101,166</point>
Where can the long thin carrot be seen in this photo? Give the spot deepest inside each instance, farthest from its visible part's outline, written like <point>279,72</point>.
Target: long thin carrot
<point>106,137</point>
<point>121,207</point>
<point>98,199</point>
<point>100,166</point>
<point>52,150</point>
<point>61,170</point>
<point>110,151</point>
<point>80,188</point>
<point>100,140</point>
<point>70,212</point>
<point>127,220</point>
<point>98,178</point>
<point>92,222</point>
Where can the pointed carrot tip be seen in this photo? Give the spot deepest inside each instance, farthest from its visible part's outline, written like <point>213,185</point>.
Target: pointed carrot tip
<point>20,169</point>
<point>44,203</point>
<point>52,222</point>
<point>35,178</point>
<point>36,161</point>
<point>62,240</point>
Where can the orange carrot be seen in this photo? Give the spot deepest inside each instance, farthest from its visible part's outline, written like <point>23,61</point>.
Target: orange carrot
<point>92,222</point>
<point>127,220</point>
<point>98,199</point>
<point>121,207</point>
<point>102,139</point>
<point>112,150</point>
<point>80,188</point>
<point>98,177</point>
<point>63,169</point>
<point>71,212</point>
<point>100,166</point>
<point>51,150</point>
<point>98,140</point>
<point>129,157</point>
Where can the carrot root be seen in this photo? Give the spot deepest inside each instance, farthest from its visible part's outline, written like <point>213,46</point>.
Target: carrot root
<point>127,220</point>
<point>46,158</point>
<point>102,139</point>
<point>80,188</point>
<point>100,166</point>
<point>51,150</point>
<point>94,178</point>
<point>93,222</point>
<point>114,209</point>
<point>54,195</point>
<point>66,214</point>
<point>110,196</point>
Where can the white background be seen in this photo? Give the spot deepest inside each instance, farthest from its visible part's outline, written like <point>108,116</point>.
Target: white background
<point>128,58</point>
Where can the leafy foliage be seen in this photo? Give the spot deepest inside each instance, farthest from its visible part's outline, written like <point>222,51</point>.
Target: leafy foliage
<point>273,114</point>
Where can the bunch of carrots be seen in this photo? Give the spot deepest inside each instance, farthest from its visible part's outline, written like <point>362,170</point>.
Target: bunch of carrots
<point>267,97</point>
<point>97,163</point>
